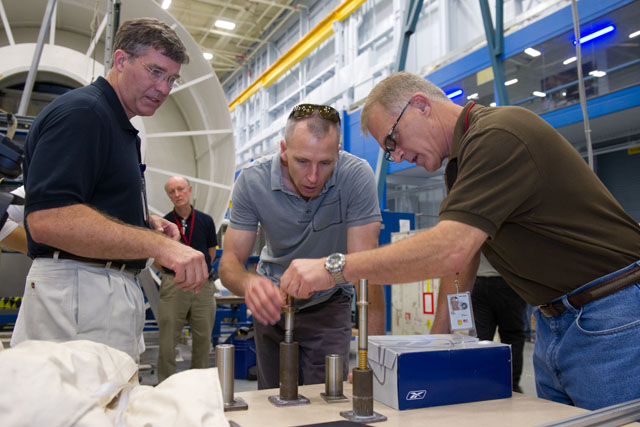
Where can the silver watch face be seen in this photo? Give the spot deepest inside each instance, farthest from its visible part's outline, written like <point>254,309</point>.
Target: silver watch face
<point>335,262</point>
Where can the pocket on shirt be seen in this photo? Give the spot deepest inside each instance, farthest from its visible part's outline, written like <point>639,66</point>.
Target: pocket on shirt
<point>328,214</point>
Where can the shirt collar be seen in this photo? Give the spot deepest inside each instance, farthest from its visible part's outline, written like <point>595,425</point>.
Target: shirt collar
<point>115,104</point>
<point>459,130</point>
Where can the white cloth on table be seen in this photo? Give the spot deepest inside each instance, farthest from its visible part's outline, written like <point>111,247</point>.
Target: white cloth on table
<point>84,383</point>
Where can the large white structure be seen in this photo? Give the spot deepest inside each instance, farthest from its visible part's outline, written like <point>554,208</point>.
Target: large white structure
<point>190,134</point>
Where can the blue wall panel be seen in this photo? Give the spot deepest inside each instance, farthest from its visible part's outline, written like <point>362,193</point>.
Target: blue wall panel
<point>600,106</point>
<point>530,35</point>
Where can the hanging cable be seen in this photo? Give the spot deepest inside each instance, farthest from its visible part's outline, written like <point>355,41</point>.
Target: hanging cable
<point>583,94</point>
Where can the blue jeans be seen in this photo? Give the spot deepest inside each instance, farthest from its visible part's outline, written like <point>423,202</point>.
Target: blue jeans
<point>589,356</point>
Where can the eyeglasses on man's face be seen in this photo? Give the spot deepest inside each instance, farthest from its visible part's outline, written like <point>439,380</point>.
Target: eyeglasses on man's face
<point>306,110</point>
<point>157,75</point>
<point>389,141</point>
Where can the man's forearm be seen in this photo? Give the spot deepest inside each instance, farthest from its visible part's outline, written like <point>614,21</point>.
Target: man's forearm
<point>436,252</point>
<point>83,231</point>
<point>233,274</point>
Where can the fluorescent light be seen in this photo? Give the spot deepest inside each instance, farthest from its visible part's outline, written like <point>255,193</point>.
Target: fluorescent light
<point>597,73</point>
<point>454,93</point>
<point>166,4</point>
<point>636,34</point>
<point>569,60</point>
<point>226,25</point>
<point>493,104</point>
<point>564,93</point>
<point>596,34</point>
<point>511,82</point>
<point>540,94</point>
<point>473,96</point>
<point>532,52</point>
<point>207,55</point>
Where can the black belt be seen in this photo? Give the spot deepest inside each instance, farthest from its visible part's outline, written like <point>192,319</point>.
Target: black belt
<point>595,292</point>
<point>115,265</point>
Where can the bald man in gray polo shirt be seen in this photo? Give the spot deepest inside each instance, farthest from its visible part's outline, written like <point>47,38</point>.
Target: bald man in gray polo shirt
<point>312,200</point>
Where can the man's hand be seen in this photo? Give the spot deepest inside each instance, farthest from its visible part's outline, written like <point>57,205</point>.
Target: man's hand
<point>168,228</point>
<point>188,264</point>
<point>264,299</point>
<point>304,276</point>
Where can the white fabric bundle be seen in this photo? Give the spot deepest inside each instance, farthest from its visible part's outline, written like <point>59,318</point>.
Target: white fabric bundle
<point>83,383</point>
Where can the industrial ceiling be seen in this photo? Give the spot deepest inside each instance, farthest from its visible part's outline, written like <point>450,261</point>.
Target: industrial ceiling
<point>254,21</point>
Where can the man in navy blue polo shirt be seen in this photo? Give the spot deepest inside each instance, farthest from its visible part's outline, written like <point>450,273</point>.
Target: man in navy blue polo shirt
<point>178,306</point>
<point>86,213</point>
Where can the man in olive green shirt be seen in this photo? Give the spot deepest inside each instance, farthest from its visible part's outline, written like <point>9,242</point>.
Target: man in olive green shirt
<point>519,193</point>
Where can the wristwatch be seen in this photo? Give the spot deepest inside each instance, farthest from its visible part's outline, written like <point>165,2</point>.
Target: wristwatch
<point>334,265</point>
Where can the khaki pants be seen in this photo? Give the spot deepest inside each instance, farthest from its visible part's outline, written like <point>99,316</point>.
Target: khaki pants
<point>67,300</point>
<point>176,308</point>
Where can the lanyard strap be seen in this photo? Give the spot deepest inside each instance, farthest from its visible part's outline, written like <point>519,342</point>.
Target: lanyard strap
<point>193,218</point>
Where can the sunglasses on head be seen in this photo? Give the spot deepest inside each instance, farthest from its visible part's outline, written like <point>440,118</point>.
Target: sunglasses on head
<point>306,110</point>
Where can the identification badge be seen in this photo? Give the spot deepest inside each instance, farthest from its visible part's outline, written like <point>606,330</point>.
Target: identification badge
<point>461,312</point>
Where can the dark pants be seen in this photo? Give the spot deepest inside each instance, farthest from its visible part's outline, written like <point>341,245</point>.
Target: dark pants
<point>319,330</point>
<point>495,304</point>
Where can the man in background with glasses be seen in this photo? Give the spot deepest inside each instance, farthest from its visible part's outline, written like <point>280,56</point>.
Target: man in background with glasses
<point>311,200</point>
<point>86,212</point>
<point>523,196</point>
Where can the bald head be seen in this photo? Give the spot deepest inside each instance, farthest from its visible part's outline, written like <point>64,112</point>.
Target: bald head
<point>179,191</point>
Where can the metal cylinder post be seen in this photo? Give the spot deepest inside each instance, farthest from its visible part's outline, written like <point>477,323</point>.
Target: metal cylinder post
<point>363,335</point>
<point>289,370</point>
<point>363,392</point>
<point>225,364</point>
<point>362,375</point>
<point>333,378</point>
<point>333,374</point>
<point>288,363</point>
<point>225,360</point>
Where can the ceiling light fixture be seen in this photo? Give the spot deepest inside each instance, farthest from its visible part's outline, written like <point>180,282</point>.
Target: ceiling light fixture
<point>225,25</point>
<point>207,55</point>
<point>473,96</point>
<point>596,34</point>
<point>635,34</point>
<point>532,52</point>
<point>597,73</point>
<point>569,60</point>
<point>166,4</point>
<point>540,94</point>
<point>454,93</point>
<point>511,82</point>
<point>493,104</point>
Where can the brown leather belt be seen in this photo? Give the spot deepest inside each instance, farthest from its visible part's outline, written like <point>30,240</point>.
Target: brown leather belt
<point>115,265</point>
<point>595,292</point>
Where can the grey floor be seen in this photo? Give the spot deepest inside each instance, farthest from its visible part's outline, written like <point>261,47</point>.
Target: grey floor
<point>149,358</point>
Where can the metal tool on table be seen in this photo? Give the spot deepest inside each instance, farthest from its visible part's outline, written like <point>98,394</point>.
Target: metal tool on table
<point>363,375</point>
<point>333,379</point>
<point>225,364</point>
<point>288,364</point>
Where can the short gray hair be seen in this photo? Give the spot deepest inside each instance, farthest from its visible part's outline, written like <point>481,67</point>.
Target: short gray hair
<point>318,126</point>
<point>393,93</point>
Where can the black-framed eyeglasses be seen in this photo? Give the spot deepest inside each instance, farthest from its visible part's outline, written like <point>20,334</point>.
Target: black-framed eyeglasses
<point>389,141</point>
<point>157,75</point>
<point>306,110</point>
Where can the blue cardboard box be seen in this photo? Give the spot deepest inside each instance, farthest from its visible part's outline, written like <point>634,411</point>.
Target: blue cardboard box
<point>418,371</point>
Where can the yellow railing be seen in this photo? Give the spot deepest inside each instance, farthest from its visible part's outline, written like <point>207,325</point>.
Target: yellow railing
<point>298,51</point>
